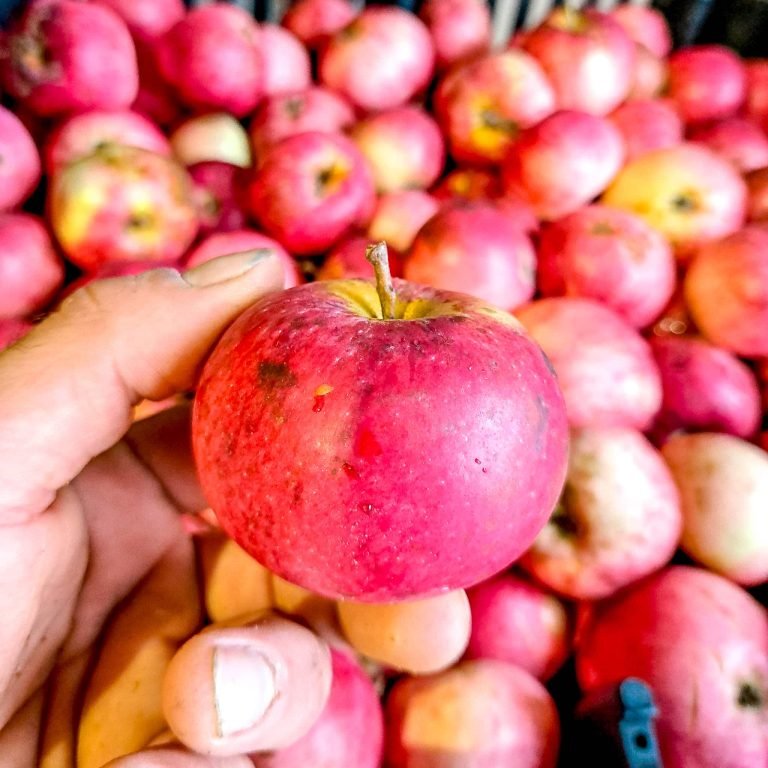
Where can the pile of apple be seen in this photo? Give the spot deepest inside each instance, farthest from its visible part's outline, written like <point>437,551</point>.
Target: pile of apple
<point>610,193</point>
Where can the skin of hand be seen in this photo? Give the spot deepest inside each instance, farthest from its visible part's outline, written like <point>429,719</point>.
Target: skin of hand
<point>90,507</point>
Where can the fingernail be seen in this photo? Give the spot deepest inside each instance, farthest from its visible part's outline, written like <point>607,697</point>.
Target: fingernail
<point>226,267</point>
<point>244,687</point>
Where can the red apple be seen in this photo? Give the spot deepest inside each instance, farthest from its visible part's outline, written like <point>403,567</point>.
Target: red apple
<point>650,77</point>
<point>611,256</point>
<point>12,330</point>
<point>398,216</point>
<point>706,82</point>
<point>604,367</point>
<point>757,91</point>
<point>675,320</point>
<point>380,60</point>
<point>460,29</point>
<point>646,26</point>
<point>286,61</point>
<point>468,184</point>
<point>314,21</point>
<point>404,148</point>
<point>122,204</point>
<point>30,269</point>
<point>156,99</point>
<point>757,185</point>
<point>19,161</point>
<point>215,136</point>
<point>147,19</point>
<point>347,259</point>
<point>513,620</point>
<point>218,193</point>
<point>480,714</point>
<point>310,190</point>
<point>587,56</point>
<point>474,248</point>
<point>701,643</point>
<point>647,124</point>
<point>563,162</point>
<point>65,55</point>
<point>737,139</point>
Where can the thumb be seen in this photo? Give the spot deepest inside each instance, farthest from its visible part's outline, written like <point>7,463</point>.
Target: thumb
<point>67,389</point>
<point>177,758</point>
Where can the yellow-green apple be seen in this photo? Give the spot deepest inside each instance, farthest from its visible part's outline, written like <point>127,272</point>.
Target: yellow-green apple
<point>219,191</point>
<point>604,367</point>
<point>64,56</point>
<point>726,289</point>
<point>757,186</point>
<point>618,519</point>
<point>647,124</point>
<point>611,256</point>
<point>564,162</point>
<point>701,643</point>
<point>468,184</point>
<point>30,269</point>
<point>314,464</point>
<point>213,59</point>
<point>650,76</point>
<point>737,139</point>
<point>473,247</point>
<point>517,621</point>
<point>588,57</point>
<point>646,26</point>
<point>478,714</point>
<point>12,330</point>
<point>380,60</point>
<point>314,21</point>
<point>314,109</point>
<point>213,136</point>
<point>403,146</point>
<point>310,190</point>
<point>756,106</point>
<point>688,192</point>
<point>286,61</point>
<point>460,29</point>
<point>398,216</point>
<point>146,19</point>
<point>122,204</point>
<point>19,161</point>
<point>483,105</point>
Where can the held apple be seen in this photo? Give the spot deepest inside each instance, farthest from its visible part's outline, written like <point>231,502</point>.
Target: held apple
<point>379,442</point>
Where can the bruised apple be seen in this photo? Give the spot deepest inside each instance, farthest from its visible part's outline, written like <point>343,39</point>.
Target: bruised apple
<point>379,442</point>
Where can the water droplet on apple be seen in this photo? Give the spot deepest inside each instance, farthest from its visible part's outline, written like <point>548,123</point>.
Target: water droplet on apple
<point>477,461</point>
<point>349,470</point>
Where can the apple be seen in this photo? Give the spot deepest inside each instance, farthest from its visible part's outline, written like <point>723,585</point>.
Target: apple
<point>563,162</point>
<point>650,75</point>
<point>618,519</point>
<point>516,621</point>
<point>460,29</point>
<point>310,190</point>
<point>314,21</point>
<point>726,289</point>
<point>611,256</point>
<point>213,59</point>
<point>646,26</point>
<point>314,109</point>
<point>347,259</point>
<point>701,643</point>
<point>705,388</point>
<point>218,190</point>
<point>647,124</point>
<point>403,146</point>
<point>342,496</point>
<point>19,161</point>
<point>688,192</point>
<point>122,204</point>
<point>479,714</point>
<point>12,330</point>
<point>588,57</point>
<point>756,106</point>
<point>65,56</point>
<point>706,82</point>
<point>737,139</point>
<point>156,100</point>
<point>468,184</point>
<point>380,60</point>
<point>30,269</point>
<point>676,319</point>
<point>215,136</point>
<point>146,19</point>
<point>86,132</point>
<point>474,247</point>
<point>483,105</point>
<point>604,367</point>
<point>757,186</point>
<point>398,216</point>
<point>286,61</point>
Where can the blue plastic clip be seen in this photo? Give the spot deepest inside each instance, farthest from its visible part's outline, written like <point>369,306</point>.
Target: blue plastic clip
<point>636,728</point>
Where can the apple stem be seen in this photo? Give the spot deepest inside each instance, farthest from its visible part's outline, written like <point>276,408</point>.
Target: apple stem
<point>378,257</point>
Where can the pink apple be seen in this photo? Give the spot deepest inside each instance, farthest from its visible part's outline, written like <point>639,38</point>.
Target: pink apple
<point>604,367</point>
<point>757,184</point>
<point>483,105</point>
<point>757,91</point>
<point>611,256</point>
<point>156,99</point>
<point>519,212</point>
<point>587,56</point>
<point>646,26</point>
<point>314,21</point>
<point>19,161</point>
<point>468,184</point>
<point>476,249</point>
<point>219,196</point>
<point>147,19</point>
<point>563,162</point>
<point>701,643</point>
<point>347,259</point>
<point>65,55</point>
<point>380,60</point>
<point>30,269</point>
<point>650,75</point>
<point>460,29</point>
<point>737,139</point>
<point>513,620</point>
<point>286,61</point>
<point>398,216</point>
<point>12,330</point>
<point>403,146</point>
<point>310,190</point>
<point>647,124</point>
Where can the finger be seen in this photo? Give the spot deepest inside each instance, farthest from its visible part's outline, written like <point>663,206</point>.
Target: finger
<point>18,740</point>
<point>67,389</point>
<point>177,757</point>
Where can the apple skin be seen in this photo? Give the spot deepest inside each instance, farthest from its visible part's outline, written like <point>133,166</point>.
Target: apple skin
<point>30,269</point>
<point>12,330</point>
<point>380,60</point>
<point>650,75</point>
<point>403,146</point>
<point>352,502</point>
<point>347,259</point>
<point>479,714</point>
<point>756,106</point>
<point>588,58</point>
<point>563,163</point>
<point>701,643</point>
<point>399,216</point>
<point>726,288</point>
<point>156,100</point>
<point>475,248</point>
<point>483,105</point>
<point>757,185</point>
<point>460,29</point>
<point>65,56</point>
<point>647,124</point>
<point>314,21</point>
<point>737,139</point>
<point>146,19</point>
<point>214,136</point>
<point>706,82</point>
<point>646,26</point>
<point>468,184</point>
<point>286,61</point>
<point>604,367</point>
<point>310,190</point>
<point>514,620</point>
<point>19,161</point>
<point>218,189</point>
